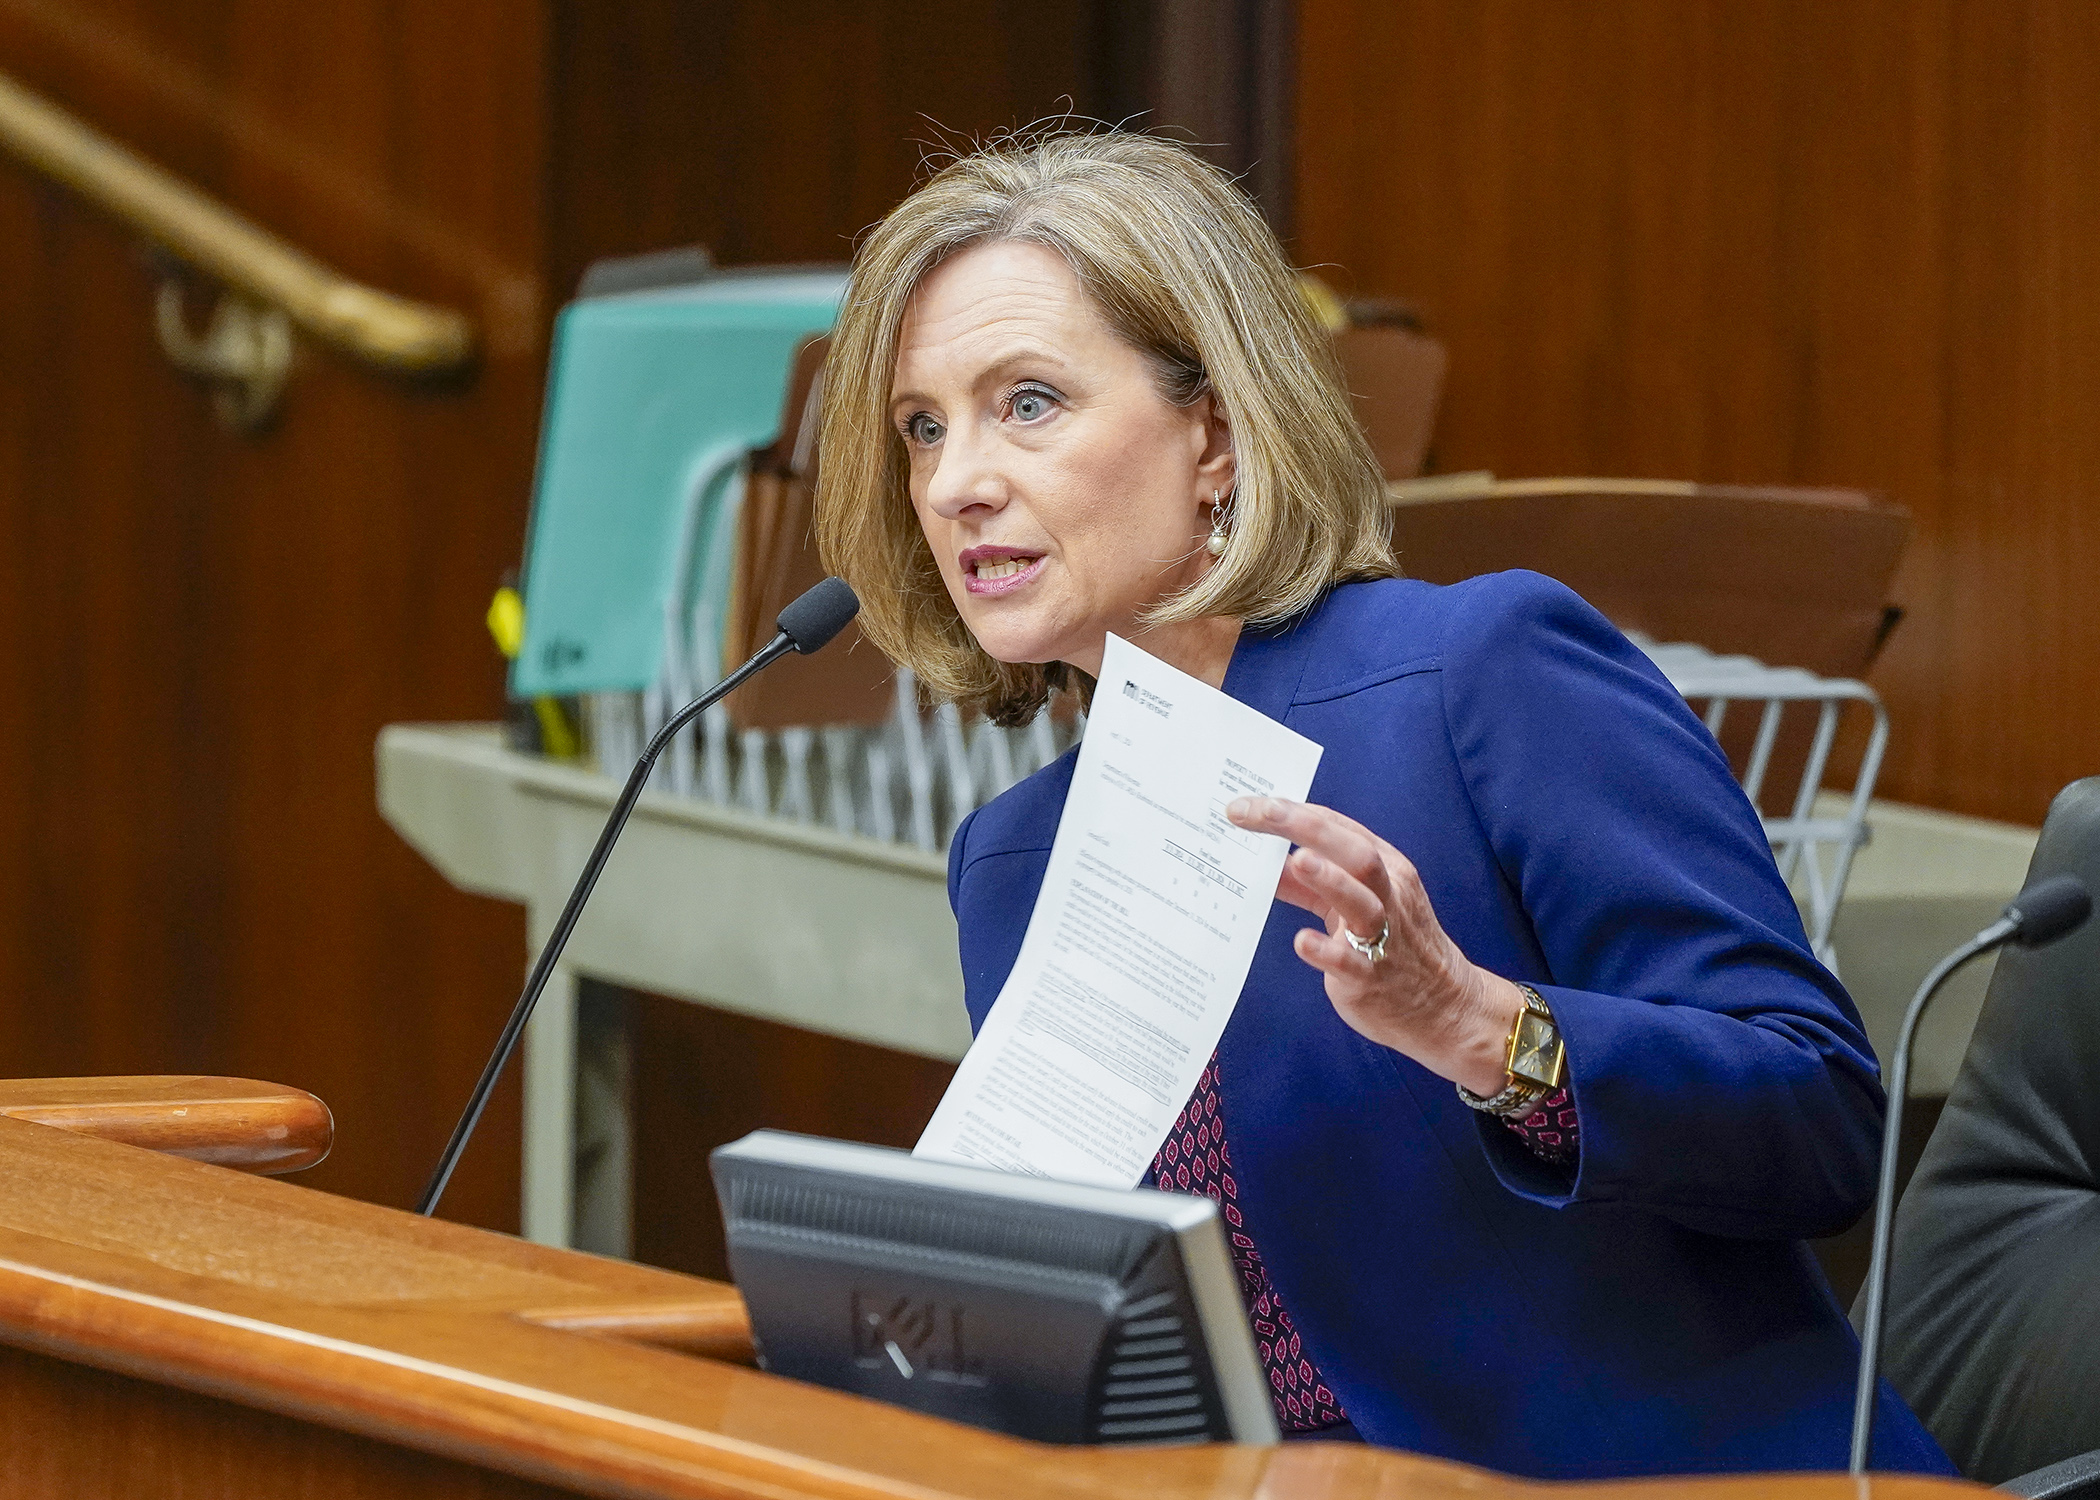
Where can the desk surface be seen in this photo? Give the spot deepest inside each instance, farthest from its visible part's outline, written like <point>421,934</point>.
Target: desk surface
<point>590,1375</point>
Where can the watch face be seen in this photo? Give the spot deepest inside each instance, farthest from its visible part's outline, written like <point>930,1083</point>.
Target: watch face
<point>1535,1052</point>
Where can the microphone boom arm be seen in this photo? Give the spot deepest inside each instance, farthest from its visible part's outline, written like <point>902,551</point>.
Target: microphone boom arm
<point>2037,917</point>
<point>1864,1394</point>
<point>558,939</point>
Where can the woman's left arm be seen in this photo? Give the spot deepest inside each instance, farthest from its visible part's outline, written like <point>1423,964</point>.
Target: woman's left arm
<point>1720,1074</point>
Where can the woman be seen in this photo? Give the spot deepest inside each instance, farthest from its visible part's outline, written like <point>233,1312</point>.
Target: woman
<point>1534,1089</point>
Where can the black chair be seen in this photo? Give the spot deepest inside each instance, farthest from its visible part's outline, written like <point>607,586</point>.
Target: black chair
<point>1994,1290</point>
<point>2073,1479</point>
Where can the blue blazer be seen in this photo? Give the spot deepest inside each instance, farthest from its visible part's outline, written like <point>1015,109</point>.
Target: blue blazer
<point>1652,1310</point>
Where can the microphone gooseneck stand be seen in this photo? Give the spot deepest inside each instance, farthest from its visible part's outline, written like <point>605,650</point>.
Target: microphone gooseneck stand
<point>805,625</point>
<point>2040,914</point>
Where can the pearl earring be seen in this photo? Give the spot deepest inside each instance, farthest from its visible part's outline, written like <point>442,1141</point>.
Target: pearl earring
<point>1220,521</point>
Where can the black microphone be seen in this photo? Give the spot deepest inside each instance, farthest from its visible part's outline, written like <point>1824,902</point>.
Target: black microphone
<point>806,625</point>
<point>2044,912</point>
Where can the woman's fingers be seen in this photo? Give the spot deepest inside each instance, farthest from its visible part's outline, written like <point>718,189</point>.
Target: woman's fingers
<point>1340,870</point>
<point>1342,842</point>
<point>1296,892</point>
<point>1338,894</point>
<point>1294,820</point>
<point>1422,996</point>
<point>1332,956</point>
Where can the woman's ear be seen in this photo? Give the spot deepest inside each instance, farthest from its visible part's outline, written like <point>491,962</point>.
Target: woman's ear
<point>1217,468</point>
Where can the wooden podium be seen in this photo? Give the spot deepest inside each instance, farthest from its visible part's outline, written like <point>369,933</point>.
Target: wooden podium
<point>174,1326</point>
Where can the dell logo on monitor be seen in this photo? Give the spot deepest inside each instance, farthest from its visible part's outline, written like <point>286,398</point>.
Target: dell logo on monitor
<point>915,1338</point>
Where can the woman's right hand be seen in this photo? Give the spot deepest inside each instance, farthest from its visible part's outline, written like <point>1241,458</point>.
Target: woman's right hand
<point>1422,996</point>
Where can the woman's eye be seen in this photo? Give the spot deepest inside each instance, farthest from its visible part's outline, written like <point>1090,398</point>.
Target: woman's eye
<point>1029,405</point>
<point>923,430</point>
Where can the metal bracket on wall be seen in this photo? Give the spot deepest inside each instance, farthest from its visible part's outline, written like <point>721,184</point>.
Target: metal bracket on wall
<point>268,287</point>
<point>245,355</point>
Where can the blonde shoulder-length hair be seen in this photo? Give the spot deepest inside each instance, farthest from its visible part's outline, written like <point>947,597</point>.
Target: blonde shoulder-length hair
<point>1188,273</point>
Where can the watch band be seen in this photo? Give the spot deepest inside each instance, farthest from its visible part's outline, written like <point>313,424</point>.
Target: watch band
<point>1540,1039</point>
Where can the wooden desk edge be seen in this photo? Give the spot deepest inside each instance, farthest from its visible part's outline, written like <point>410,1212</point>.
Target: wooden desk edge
<point>493,1385</point>
<point>555,1442</point>
<point>241,1123</point>
<point>719,1330</point>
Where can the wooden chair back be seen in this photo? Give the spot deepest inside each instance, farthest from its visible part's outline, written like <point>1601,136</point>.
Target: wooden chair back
<point>848,682</point>
<point>1396,376</point>
<point>1793,577</point>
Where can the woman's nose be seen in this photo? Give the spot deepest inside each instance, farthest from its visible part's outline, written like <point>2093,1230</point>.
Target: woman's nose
<point>965,476</point>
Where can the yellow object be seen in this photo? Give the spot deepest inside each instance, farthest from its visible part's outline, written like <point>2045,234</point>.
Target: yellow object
<point>1325,305</point>
<point>556,737</point>
<point>506,619</point>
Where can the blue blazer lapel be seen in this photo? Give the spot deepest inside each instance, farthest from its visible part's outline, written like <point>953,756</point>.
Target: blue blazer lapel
<point>1268,663</point>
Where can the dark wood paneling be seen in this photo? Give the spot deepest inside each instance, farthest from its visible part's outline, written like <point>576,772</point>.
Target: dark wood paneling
<point>703,1078</point>
<point>1219,74</point>
<point>773,132</point>
<point>205,633</point>
<point>1845,242</point>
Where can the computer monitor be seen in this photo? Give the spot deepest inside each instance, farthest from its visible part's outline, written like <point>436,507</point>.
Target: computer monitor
<point>1041,1309</point>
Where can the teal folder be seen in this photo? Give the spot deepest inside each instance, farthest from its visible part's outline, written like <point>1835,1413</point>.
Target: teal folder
<point>652,400</point>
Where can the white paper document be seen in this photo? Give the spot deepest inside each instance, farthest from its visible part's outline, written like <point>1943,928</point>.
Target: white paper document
<point>1141,938</point>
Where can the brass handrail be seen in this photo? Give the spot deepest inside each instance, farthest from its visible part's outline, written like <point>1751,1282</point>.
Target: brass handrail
<point>388,332</point>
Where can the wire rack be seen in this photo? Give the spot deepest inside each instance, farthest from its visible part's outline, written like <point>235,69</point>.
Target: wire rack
<point>1814,853</point>
<point>915,777</point>
<point>909,780</point>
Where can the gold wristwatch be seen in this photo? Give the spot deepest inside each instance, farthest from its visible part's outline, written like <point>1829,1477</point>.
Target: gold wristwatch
<point>1537,1061</point>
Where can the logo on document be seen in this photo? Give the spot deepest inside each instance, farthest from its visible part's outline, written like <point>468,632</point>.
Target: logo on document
<point>1150,700</point>
<point>918,1339</point>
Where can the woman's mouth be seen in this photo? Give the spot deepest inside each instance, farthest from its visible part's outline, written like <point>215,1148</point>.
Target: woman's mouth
<point>991,571</point>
